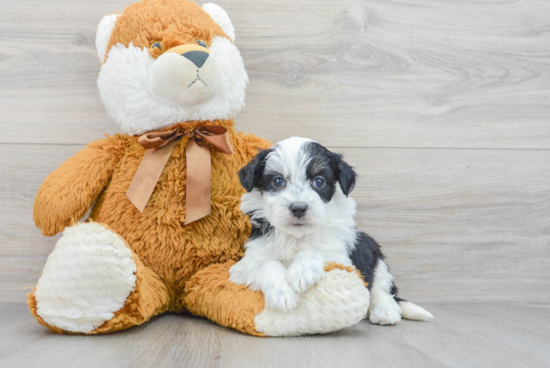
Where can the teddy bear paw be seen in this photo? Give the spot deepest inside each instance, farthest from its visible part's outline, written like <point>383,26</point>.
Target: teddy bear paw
<point>338,300</point>
<point>87,278</point>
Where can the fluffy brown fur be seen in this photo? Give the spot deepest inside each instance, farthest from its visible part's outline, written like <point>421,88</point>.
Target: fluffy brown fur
<point>179,267</point>
<point>167,252</point>
<point>177,23</point>
<point>212,295</point>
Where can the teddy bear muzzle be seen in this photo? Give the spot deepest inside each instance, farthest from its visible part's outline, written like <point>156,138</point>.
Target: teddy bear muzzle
<point>184,75</point>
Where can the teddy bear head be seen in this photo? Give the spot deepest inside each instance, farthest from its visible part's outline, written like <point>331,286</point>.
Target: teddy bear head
<point>169,61</point>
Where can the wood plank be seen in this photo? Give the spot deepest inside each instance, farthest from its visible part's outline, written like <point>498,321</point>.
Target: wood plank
<point>23,170</point>
<point>24,250</point>
<point>457,225</point>
<point>460,336</point>
<point>382,74</point>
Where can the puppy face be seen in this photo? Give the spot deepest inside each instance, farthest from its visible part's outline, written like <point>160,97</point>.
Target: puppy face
<point>293,183</point>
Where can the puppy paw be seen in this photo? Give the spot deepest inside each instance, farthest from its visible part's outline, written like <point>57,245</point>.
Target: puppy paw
<point>383,315</point>
<point>302,276</point>
<point>280,297</point>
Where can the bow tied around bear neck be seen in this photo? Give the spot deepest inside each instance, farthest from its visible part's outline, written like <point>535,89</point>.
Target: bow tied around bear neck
<point>159,147</point>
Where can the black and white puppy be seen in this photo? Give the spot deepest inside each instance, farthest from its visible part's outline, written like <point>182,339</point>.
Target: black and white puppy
<point>302,219</point>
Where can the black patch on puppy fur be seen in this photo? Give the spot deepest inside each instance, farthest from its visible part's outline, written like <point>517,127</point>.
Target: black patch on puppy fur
<point>320,165</point>
<point>346,175</point>
<point>251,175</point>
<point>321,160</point>
<point>365,258</point>
<point>260,227</point>
<point>393,292</point>
<point>266,183</point>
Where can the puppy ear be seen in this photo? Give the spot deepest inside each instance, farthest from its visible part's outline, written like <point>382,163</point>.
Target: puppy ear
<point>221,18</point>
<point>103,35</point>
<point>344,172</point>
<point>251,174</point>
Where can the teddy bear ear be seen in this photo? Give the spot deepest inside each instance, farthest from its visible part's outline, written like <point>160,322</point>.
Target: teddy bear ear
<point>221,18</point>
<point>103,35</point>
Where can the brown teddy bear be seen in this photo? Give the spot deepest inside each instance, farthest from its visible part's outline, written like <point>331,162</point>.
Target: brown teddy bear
<point>165,225</point>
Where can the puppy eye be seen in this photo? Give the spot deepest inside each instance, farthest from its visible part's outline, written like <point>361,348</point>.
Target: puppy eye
<point>278,182</point>
<point>156,44</point>
<point>319,182</point>
<point>201,43</point>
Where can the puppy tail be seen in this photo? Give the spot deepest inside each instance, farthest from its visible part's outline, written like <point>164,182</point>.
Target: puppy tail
<point>414,312</point>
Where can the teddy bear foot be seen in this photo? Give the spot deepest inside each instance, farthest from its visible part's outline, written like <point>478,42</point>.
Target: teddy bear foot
<point>90,284</point>
<point>86,279</point>
<point>339,300</point>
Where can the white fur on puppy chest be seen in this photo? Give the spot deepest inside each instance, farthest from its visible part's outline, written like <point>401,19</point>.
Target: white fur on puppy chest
<point>87,278</point>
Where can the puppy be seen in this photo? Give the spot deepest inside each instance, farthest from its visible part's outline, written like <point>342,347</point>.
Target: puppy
<point>302,219</point>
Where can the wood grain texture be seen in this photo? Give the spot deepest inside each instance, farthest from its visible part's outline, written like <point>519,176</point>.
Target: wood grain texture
<point>405,73</point>
<point>460,336</point>
<point>456,225</point>
<point>443,107</point>
<point>373,79</point>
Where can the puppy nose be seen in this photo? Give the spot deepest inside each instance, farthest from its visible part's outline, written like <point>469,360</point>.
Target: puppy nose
<point>197,57</point>
<point>298,209</point>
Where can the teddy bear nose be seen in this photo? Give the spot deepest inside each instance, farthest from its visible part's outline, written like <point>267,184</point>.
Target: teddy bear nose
<point>196,57</point>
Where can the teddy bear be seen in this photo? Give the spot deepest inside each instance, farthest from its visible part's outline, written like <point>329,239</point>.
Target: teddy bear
<point>165,225</point>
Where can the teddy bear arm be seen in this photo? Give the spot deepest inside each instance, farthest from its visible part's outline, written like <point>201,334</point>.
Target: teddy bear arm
<point>69,191</point>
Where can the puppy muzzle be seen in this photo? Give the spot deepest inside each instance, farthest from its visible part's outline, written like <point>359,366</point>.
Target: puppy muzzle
<point>298,209</point>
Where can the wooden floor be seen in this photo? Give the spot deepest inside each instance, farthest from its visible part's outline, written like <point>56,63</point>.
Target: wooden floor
<point>476,335</point>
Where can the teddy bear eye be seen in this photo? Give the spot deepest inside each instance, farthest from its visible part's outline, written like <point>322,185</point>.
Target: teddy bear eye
<point>156,44</point>
<point>201,43</point>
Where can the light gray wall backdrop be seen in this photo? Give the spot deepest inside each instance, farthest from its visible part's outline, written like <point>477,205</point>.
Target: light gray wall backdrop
<point>443,107</point>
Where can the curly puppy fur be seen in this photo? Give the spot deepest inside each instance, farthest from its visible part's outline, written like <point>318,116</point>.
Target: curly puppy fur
<point>303,219</point>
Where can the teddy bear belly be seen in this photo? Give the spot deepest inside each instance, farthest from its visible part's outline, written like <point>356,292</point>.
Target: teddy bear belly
<point>171,249</point>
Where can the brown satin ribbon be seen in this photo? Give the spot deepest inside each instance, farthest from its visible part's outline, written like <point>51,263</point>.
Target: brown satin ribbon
<point>159,147</point>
